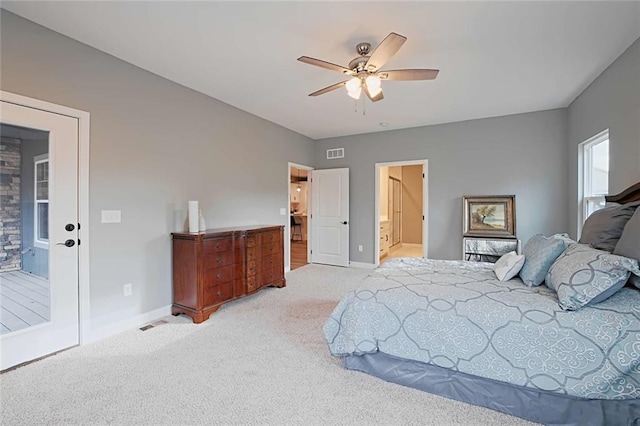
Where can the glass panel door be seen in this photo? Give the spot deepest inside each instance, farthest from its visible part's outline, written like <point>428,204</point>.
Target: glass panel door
<point>39,308</point>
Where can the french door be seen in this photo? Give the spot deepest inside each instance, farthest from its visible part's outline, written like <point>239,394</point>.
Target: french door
<point>330,217</point>
<point>46,288</point>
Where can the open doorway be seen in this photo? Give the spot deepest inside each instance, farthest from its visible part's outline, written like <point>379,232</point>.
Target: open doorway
<point>299,240</point>
<point>401,210</point>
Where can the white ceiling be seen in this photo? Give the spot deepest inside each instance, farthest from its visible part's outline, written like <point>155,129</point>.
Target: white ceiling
<point>495,58</point>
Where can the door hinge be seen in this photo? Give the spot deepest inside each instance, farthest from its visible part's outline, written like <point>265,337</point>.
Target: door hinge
<point>78,226</point>
<point>422,217</point>
<point>423,176</point>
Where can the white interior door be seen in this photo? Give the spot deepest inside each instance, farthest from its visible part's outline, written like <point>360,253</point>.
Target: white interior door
<point>58,185</point>
<point>330,217</point>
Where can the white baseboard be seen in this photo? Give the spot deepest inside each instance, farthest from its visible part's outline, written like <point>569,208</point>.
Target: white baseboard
<point>128,324</point>
<point>287,269</point>
<point>362,265</point>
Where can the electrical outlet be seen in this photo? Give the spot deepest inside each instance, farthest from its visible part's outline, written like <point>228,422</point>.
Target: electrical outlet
<point>127,289</point>
<point>360,247</point>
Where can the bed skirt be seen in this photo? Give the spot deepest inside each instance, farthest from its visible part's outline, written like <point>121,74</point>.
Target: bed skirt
<point>530,404</point>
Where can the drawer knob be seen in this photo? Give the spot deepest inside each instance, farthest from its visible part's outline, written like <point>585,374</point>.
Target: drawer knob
<point>218,275</point>
<point>219,293</point>
<point>218,260</point>
<point>217,245</point>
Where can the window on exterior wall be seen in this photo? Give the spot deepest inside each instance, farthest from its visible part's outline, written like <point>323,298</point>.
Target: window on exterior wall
<point>595,173</point>
<point>41,202</point>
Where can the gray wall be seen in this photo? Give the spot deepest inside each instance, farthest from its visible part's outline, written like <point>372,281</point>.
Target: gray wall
<point>611,102</point>
<point>36,260</point>
<point>524,154</point>
<point>154,146</point>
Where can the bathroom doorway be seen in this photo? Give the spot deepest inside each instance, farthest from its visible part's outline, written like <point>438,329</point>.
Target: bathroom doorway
<point>401,210</point>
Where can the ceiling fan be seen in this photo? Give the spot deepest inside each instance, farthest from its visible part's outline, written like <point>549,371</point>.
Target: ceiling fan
<point>365,70</point>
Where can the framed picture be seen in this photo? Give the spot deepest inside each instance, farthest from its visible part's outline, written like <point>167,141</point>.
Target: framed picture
<point>490,216</point>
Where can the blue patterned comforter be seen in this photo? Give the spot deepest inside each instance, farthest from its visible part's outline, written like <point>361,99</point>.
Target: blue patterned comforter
<point>457,315</point>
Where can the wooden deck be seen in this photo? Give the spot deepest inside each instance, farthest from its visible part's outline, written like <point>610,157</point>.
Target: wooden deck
<point>24,301</point>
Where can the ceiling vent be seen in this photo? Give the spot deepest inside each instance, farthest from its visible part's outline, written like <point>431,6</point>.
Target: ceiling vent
<point>335,153</point>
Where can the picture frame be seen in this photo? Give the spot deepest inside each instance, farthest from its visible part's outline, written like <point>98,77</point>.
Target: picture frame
<point>490,216</point>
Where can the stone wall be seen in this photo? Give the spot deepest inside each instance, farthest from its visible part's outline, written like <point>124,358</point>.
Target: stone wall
<point>9,204</point>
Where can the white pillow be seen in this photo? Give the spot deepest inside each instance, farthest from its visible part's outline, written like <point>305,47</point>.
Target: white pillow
<point>508,266</point>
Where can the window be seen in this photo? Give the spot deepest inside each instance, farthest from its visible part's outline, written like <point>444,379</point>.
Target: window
<point>41,201</point>
<point>595,174</point>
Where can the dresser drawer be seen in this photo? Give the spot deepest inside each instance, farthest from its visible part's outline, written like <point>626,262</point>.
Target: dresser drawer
<point>217,275</point>
<point>271,261</point>
<point>252,284</point>
<point>216,260</point>
<point>218,293</point>
<point>252,254</point>
<point>252,268</point>
<point>270,248</point>
<point>251,241</point>
<point>270,275</point>
<point>271,237</point>
<point>217,246</point>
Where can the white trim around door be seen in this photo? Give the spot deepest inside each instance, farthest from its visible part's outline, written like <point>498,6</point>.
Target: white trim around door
<point>425,204</point>
<point>83,118</point>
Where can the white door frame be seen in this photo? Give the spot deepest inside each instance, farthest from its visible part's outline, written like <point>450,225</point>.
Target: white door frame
<point>425,204</point>
<point>287,228</point>
<point>83,118</point>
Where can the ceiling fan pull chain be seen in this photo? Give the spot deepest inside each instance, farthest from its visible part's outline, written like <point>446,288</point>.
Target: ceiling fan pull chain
<point>364,107</point>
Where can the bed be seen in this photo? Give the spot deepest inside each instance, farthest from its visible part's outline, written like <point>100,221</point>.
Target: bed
<point>537,352</point>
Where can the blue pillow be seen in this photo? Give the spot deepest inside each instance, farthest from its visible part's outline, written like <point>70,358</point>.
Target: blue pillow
<point>584,276</point>
<point>539,254</point>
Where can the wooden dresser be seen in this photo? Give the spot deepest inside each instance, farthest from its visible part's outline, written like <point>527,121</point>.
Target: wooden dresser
<point>219,265</point>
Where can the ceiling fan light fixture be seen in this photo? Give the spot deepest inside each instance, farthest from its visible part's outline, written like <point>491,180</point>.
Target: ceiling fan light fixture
<point>374,92</point>
<point>355,94</point>
<point>366,72</point>
<point>373,83</point>
<point>353,84</point>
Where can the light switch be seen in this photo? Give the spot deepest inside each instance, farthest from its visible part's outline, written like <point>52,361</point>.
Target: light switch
<point>283,211</point>
<point>111,216</point>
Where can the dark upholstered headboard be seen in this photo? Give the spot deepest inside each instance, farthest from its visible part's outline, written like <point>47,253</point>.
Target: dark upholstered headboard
<point>628,195</point>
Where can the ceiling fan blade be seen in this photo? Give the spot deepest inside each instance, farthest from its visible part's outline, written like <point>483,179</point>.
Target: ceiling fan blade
<point>375,98</point>
<point>325,64</point>
<point>405,75</point>
<point>328,89</point>
<point>385,50</point>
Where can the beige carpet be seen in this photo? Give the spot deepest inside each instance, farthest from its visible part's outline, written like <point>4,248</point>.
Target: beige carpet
<point>259,360</point>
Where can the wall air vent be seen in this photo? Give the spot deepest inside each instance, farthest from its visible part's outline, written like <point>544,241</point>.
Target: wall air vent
<point>335,153</point>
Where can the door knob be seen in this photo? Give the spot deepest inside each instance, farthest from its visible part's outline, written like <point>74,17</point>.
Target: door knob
<point>344,223</point>
<point>69,227</point>
<point>68,243</point>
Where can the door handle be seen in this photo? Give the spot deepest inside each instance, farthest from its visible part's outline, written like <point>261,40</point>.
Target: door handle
<point>344,223</point>
<point>68,243</point>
